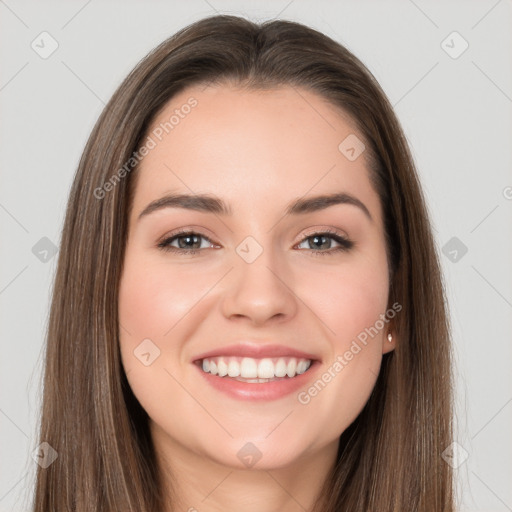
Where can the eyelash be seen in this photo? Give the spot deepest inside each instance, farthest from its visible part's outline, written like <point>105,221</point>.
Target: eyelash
<point>345,243</point>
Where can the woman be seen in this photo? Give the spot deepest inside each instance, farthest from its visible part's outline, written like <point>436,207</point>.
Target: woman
<point>248,309</point>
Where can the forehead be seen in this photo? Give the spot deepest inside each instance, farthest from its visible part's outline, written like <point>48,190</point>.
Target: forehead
<point>256,147</point>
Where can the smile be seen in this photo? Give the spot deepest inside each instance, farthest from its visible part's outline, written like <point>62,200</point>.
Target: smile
<point>253,370</point>
<point>252,379</point>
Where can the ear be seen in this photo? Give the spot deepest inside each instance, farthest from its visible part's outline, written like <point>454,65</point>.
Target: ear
<point>389,339</point>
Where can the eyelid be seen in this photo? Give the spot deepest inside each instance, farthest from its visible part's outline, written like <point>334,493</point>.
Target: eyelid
<point>340,237</point>
<point>322,230</point>
<point>345,243</point>
<point>186,231</point>
<point>199,231</point>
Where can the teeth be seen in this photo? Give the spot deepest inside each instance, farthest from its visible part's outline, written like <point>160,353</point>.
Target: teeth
<point>266,369</point>
<point>281,368</point>
<point>292,366</point>
<point>255,381</point>
<point>301,367</point>
<point>247,369</point>
<point>233,369</point>
<point>222,368</point>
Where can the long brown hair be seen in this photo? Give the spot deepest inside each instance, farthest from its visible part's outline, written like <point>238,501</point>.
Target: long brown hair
<point>389,459</point>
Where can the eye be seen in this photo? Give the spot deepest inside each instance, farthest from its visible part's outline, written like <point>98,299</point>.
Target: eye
<point>324,240</point>
<point>188,242</point>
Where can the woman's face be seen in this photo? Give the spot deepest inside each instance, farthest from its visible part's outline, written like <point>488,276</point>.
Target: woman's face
<point>268,282</point>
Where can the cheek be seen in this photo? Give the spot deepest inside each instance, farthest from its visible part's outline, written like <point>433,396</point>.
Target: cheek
<point>347,299</point>
<point>162,304</point>
<point>154,303</point>
<point>349,303</point>
<point>153,298</point>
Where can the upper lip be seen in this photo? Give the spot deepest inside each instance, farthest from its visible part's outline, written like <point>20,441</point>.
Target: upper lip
<point>256,350</point>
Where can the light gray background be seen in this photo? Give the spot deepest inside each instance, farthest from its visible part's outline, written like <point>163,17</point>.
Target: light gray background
<point>456,113</point>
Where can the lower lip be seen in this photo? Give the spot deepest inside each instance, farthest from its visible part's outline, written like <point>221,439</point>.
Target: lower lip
<point>259,391</point>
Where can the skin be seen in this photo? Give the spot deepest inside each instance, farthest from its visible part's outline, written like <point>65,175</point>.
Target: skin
<point>258,151</point>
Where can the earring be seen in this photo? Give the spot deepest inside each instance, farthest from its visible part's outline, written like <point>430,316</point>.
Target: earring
<point>390,337</point>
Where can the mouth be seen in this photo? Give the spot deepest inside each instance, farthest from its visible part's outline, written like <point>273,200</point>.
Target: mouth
<point>257,373</point>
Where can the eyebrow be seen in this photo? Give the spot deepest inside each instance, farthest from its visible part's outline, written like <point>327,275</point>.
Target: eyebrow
<point>209,204</point>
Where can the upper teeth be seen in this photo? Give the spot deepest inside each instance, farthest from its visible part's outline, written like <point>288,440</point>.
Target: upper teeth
<point>250,368</point>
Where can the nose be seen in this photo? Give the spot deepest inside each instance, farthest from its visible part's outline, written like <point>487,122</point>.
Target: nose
<point>259,292</point>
